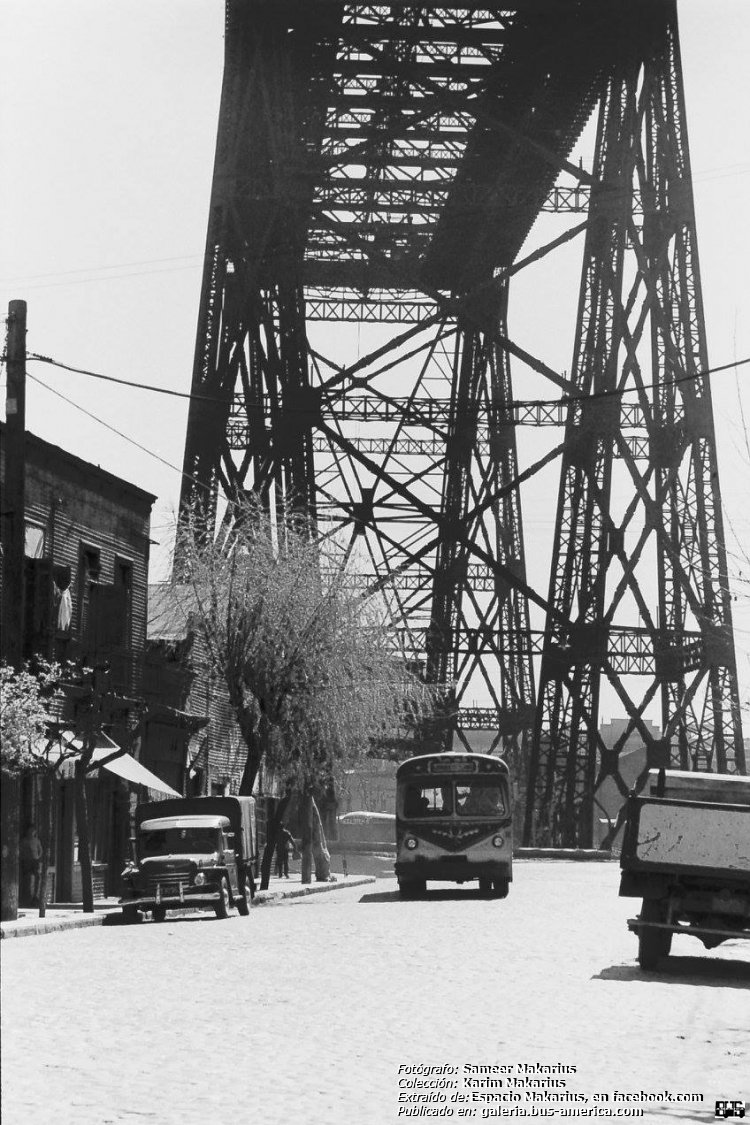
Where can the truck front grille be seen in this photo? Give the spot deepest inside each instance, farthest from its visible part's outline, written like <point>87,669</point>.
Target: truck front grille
<point>168,881</point>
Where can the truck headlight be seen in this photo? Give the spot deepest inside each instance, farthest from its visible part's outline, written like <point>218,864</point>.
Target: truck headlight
<point>498,841</point>
<point>410,843</point>
<point>199,879</point>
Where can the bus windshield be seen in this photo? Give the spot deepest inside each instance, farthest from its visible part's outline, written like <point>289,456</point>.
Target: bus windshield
<point>463,796</point>
<point>428,799</point>
<point>479,797</point>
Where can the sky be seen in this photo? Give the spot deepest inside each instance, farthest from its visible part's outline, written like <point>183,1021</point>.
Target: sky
<point>108,117</point>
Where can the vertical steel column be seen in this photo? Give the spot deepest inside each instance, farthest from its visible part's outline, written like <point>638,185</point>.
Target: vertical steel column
<point>704,719</point>
<point>640,283</point>
<point>564,752</point>
<point>251,361</point>
<point>480,419</point>
<point>449,578</point>
<point>515,697</point>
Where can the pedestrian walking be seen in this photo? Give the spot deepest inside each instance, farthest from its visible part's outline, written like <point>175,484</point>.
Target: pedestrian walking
<point>31,866</point>
<point>283,839</point>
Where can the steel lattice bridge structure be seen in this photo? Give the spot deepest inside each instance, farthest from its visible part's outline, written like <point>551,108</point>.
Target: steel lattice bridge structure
<point>379,169</point>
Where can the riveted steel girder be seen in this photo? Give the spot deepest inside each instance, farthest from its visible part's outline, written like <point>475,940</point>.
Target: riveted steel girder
<point>640,329</point>
<point>384,164</point>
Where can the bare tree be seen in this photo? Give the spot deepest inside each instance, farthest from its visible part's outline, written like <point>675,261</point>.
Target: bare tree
<point>309,663</point>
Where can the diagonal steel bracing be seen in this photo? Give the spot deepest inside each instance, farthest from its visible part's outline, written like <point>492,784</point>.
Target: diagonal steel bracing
<point>640,330</point>
<point>378,170</point>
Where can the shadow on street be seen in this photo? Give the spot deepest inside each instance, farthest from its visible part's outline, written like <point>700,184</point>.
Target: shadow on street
<point>711,971</point>
<point>430,896</point>
<point>197,916</point>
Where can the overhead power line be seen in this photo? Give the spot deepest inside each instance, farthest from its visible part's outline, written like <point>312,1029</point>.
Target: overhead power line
<point>108,426</point>
<point>563,400</point>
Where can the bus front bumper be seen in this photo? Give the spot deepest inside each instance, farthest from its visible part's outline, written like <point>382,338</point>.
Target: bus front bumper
<point>452,869</point>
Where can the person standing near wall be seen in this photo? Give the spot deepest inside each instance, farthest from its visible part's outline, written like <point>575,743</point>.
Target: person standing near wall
<point>31,866</point>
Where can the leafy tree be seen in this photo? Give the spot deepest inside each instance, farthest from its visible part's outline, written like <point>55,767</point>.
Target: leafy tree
<point>309,663</point>
<point>33,744</point>
<point>24,716</point>
<point>25,747</point>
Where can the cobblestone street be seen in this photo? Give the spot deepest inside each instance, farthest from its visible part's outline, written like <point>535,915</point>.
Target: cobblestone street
<point>304,1012</point>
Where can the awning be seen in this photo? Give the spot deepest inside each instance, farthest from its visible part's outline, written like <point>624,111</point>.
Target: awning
<point>124,765</point>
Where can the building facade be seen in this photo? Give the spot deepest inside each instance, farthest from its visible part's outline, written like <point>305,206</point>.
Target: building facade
<point>84,593</point>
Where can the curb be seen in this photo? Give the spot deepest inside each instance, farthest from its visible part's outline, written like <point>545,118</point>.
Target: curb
<point>53,925</point>
<point>263,898</point>
<point>35,927</point>
<point>579,854</point>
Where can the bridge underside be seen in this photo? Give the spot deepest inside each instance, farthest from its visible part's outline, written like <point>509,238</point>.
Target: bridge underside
<point>382,168</point>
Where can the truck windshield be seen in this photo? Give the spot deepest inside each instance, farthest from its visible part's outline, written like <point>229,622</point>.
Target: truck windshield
<point>179,841</point>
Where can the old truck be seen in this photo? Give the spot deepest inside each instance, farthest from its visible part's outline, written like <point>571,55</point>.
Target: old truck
<point>686,854</point>
<point>191,851</point>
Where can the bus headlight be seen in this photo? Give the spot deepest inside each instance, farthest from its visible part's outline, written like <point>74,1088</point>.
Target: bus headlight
<point>199,879</point>
<point>498,841</point>
<point>410,843</point>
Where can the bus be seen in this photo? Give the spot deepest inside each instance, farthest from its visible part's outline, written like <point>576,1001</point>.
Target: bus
<point>454,822</point>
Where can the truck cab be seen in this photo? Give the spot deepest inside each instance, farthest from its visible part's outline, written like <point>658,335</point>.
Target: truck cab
<point>686,854</point>
<point>197,851</point>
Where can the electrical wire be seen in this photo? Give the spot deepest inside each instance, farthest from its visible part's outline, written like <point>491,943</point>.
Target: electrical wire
<point>96,269</point>
<point>564,400</point>
<point>123,382</point>
<point>110,277</point>
<point>114,430</point>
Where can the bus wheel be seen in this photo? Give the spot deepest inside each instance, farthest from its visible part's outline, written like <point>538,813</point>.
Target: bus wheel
<point>485,886</point>
<point>501,887</point>
<point>412,888</point>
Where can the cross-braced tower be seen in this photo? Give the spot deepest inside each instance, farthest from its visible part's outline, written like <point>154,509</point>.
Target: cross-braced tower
<point>644,414</point>
<point>378,170</point>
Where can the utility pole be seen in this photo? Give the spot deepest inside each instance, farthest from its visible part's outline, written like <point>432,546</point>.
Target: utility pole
<point>14,487</point>
<point>13,530</point>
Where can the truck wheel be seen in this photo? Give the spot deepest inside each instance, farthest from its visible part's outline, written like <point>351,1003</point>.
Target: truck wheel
<point>159,913</point>
<point>412,888</point>
<point>245,900</point>
<point>653,944</point>
<point>222,906</point>
<point>501,887</point>
<point>485,886</point>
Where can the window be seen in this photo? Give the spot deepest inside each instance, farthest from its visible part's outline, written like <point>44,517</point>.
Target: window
<point>89,572</point>
<point>124,584</point>
<point>34,541</point>
<point>481,797</point>
<point>427,800</point>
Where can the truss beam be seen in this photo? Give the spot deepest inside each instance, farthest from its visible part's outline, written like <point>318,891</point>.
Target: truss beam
<point>385,164</point>
<point>640,325</point>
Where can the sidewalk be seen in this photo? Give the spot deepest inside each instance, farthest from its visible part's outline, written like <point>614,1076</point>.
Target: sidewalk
<point>70,916</point>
